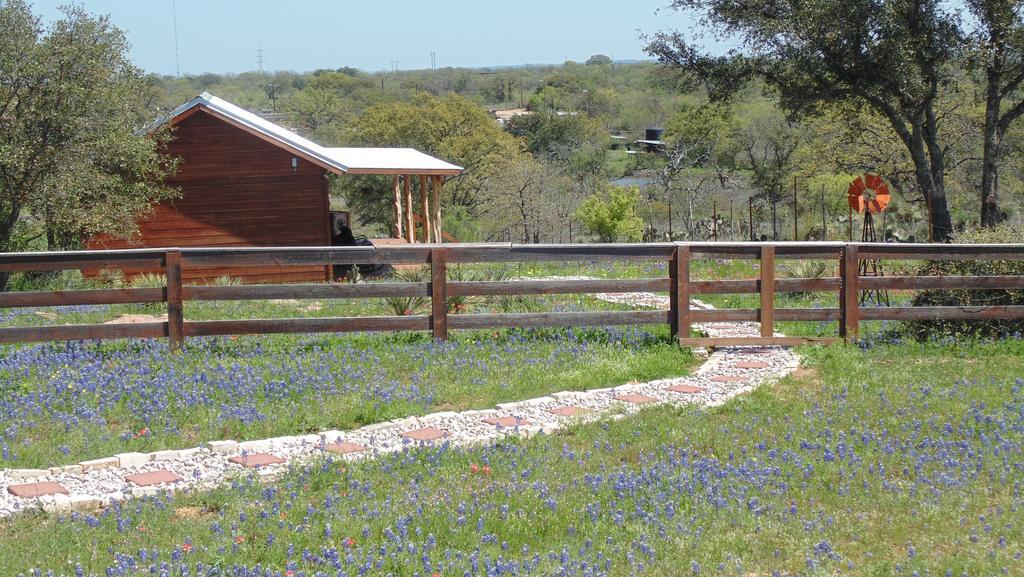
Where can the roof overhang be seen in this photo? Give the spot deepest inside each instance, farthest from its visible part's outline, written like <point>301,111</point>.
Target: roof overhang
<point>392,161</point>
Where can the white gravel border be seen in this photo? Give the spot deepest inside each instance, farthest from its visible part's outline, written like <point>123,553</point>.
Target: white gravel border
<point>100,482</point>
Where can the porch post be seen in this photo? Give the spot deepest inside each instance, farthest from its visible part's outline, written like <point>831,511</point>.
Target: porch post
<point>410,225</point>
<point>425,208</point>
<point>435,199</point>
<point>397,202</point>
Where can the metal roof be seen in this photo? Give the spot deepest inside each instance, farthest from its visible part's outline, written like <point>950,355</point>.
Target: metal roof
<point>391,161</point>
<point>337,160</point>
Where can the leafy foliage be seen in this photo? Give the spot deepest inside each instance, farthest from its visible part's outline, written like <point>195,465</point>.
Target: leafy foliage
<point>894,56</point>
<point>611,214</point>
<point>971,298</point>
<point>72,162</point>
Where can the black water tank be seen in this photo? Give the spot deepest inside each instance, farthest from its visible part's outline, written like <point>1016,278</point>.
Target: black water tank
<point>653,133</point>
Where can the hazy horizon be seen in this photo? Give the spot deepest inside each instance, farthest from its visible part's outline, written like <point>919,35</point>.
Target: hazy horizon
<point>224,37</point>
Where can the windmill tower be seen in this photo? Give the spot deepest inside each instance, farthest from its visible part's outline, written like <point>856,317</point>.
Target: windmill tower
<point>869,195</point>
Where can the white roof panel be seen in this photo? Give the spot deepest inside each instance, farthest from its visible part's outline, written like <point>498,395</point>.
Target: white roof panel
<point>340,160</point>
<point>390,160</point>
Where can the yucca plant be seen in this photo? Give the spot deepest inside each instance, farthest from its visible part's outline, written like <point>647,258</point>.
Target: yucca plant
<point>811,269</point>
<point>148,280</point>
<point>228,281</point>
<point>111,277</point>
<point>404,306</point>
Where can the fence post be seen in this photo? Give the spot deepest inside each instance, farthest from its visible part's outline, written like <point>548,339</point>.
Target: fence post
<point>679,292</point>
<point>849,314</point>
<point>175,310</point>
<point>439,293</point>
<point>767,291</point>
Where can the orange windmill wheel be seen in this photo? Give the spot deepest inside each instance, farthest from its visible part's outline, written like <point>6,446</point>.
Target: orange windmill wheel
<point>868,193</point>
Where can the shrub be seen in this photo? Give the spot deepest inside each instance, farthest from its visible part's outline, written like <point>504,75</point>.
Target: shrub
<point>611,215</point>
<point>973,298</point>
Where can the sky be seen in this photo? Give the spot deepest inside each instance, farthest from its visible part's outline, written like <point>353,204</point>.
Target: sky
<point>223,36</point>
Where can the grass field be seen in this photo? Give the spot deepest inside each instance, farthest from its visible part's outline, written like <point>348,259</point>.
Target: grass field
<point>62,403</point>
<point>885,460</point>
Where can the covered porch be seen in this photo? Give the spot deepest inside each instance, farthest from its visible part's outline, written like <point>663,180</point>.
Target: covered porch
<point>406,166</point>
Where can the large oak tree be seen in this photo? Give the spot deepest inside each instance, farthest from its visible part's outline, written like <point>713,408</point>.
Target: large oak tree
<point>73,161</point>
<point>894,56</point>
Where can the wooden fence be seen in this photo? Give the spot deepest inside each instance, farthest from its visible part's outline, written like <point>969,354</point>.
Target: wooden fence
<point>678,284</point>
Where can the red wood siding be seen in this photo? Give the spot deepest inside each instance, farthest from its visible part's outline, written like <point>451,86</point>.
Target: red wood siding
<point>237,190</point>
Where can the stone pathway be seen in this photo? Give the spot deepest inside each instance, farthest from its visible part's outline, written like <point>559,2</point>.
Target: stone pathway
<point>97,483</point>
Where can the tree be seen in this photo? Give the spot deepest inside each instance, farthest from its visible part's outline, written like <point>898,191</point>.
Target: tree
<point>315,109</point>
<point>697,151</point>
<point>768,146</point>
<point>573,141</point>
<point>597,60</point>
<point>523,203</point>
<point>895,56</point>
<point>450,127</point>
<point>72,161</point>
<point>611,214</point>
<point>999,54</point>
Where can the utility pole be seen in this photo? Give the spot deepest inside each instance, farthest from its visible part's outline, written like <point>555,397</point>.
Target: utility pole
<point>272,92</point>
<point>433,60</point>
<point>394,65</point>
<point>260,57</point>
<point>177,53</point>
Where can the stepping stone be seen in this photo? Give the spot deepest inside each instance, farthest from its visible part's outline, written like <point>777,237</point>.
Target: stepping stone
<point>570,411</point>
<point>753,351</point>
<point>685,389</point>
<point>153,478</point>
<point>344,447</point>
<point>254,460</point>
<point>425,434</point>
<point>31,490</point>
<point>751,365</point>
<point>727,379</point>
<point>507,422</point>
<point>635,399</point>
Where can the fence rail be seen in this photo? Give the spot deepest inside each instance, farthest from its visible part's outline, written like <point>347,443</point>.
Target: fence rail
<point>680,286</point>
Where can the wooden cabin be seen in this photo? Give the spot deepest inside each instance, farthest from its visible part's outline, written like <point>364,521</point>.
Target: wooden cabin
<point>246,181</point>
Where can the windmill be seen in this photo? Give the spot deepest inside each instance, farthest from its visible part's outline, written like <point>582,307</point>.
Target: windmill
<point>869,194</point>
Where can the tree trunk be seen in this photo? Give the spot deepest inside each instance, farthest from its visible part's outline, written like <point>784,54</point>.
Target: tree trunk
<point>7,224</point>
<point>990,153</point>
<point>928,171</point>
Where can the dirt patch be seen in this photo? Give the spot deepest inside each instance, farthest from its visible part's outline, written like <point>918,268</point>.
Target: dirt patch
<point>802,380</point>
<point>137,319</point>
<point>191,513</point>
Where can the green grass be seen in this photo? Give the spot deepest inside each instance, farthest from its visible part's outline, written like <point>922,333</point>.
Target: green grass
<point>86,401</point>
<point>890,461</point>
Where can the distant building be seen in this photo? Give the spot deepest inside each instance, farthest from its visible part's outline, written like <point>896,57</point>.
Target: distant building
<point>652,142</point>
<point>504,116</point>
